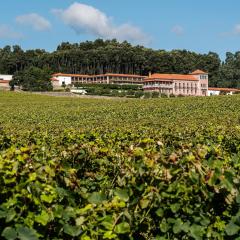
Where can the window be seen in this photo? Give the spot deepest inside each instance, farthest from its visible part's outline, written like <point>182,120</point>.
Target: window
<point>203,77</point>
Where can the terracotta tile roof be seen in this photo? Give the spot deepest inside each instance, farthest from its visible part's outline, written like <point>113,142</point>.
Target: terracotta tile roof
<point>4,81</point>
<point>54,79</point>
<point>123,75</point>
<point>164,77</point>
<point>197,72</point>
<point>224,89</point>
<point>69,75</point>
<point>99,75</point>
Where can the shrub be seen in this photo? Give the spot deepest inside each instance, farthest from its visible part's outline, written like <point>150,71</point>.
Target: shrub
<point>147,94</point>
<point>139,94</point>
<point>164,95</point>
<point>155,94</point>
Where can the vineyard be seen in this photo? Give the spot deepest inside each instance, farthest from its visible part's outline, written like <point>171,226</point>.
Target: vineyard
<point>119,169</point>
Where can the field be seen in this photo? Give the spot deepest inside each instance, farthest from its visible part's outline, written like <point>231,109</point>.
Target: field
<point>119,169</point>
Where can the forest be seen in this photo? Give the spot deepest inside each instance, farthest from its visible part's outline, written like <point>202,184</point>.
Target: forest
<point>110,56</point>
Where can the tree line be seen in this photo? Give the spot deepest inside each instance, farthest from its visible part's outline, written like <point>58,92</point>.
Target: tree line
<point>110,56</point>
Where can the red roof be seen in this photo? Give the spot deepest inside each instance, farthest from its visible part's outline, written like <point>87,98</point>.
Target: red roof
<point>4,81</point>
<point>198,72</point>
<point>224,89</point>
<point>123,75</point>
<point>164,77</point>
<point>69,75</point>
<point>54,79</point>
<point>107,74</point>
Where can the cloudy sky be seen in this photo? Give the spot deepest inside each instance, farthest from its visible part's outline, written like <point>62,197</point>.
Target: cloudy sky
<point>200,26</point>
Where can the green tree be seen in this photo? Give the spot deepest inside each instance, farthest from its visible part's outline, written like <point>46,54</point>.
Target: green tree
<point>33,79</point>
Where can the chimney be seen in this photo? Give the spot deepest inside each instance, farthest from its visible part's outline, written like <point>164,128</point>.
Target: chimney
<point>149,74</point>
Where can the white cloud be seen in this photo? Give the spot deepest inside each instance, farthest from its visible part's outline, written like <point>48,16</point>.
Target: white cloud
<point>35,21</point>
<point>236,29</point>
<point>84,18</point>
<point>178,30</point>
<point>7,33</point>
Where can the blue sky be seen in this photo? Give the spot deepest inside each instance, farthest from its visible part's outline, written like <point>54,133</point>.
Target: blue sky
<point>201,26</point>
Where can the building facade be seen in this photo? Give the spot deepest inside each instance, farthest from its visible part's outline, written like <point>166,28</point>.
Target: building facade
<point>58,79</point>
<point>193,84</point>
<point>4,81</point>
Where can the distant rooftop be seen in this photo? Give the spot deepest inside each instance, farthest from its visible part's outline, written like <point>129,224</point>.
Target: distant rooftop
<point>198,72</point>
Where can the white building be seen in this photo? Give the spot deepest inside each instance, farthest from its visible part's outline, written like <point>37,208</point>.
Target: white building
<point>109,78</point>
<point>4,81</point>
<point>222,91</point>
<point>62,79</point>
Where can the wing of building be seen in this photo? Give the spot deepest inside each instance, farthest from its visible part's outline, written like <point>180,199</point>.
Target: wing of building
<point>58,79</point>
<point>193,84</point>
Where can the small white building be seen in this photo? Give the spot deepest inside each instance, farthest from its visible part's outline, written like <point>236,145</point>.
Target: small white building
<point>6,77</point>
<point>62,79</point>
<point>4,81</point>
<point>222,91</point>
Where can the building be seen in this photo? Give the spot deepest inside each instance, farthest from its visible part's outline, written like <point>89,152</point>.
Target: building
<point>193,84</point>
<point>222,91</point>
<point>58,79</point>
<point>4,81</point>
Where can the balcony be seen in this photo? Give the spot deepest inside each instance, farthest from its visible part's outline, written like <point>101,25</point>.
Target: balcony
<point>165,86</point>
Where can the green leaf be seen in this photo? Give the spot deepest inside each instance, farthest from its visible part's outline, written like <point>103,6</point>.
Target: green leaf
<point>97,198</point>
<point>25,233</point>
<point>9,233</point>
<point>164,226</point>
<point>197,231</point>
<point>177,227</point>
<point>79,221</point>
<point>108,225</point>
<point>160,238</point>
<point>160,212</point>
<point>144,203</point>
<point>122,228</point>
<point>32,176</point>
<point>73,231</point>
<point>58,211</point>
<point>175,207</point>
<point>109,235</point>
<point>3,214</point>
<point>46,198</point>
<point>43,218</point>
<point>122,194</point>
<point>10,215</point>
<point>232,229</point>
<point>238,198</point>
<point>186,227</point>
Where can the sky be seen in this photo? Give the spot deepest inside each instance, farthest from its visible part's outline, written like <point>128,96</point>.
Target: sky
<point>200,26</point>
